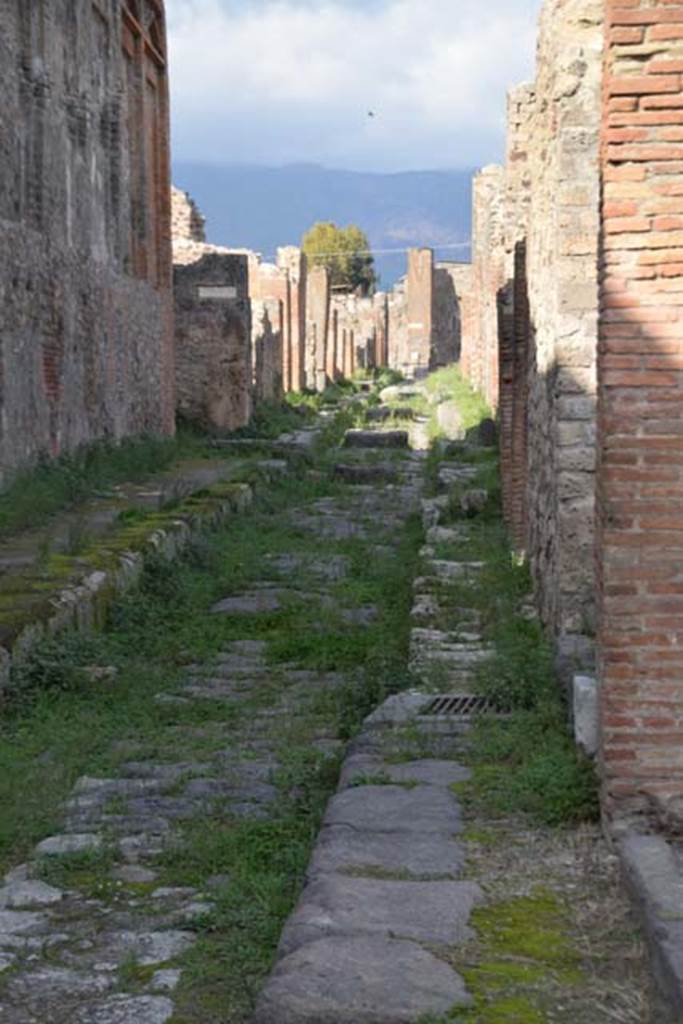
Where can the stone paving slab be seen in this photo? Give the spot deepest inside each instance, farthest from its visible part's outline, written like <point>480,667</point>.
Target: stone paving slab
<point>344,849</point>
<point>395,809</point>
<point>359,980</point>
<point>429,912</point>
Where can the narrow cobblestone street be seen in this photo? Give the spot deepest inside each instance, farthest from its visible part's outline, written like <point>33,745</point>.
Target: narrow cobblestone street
<point>163,895</point>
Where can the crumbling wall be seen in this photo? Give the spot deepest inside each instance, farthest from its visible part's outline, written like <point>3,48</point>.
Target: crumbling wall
<point>86,345</point>
<point>188,224</point>
<point>213,341</point>
<point>318,297</point>
<point>640,549</point>
<point>479,353</point>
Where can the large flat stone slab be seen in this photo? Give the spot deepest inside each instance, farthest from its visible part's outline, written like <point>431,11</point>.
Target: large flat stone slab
<point>433,912</point>
<point>359,768</point>
<point>376,439</point>
<point>425,809</point>
<point>422,856</point>
<point>359,980</point>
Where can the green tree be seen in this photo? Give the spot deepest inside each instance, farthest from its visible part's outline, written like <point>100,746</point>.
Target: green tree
<point>345,253</point>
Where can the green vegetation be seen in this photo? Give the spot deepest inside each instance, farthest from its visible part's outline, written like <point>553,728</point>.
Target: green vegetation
<point>447,384</point>
<point>346,254</point>
<point>527,760</point>
<point>35,495</point>
<point>66,721</point>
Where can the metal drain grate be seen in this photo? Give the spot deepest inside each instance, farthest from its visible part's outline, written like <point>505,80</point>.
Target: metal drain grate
<point>457,705</point>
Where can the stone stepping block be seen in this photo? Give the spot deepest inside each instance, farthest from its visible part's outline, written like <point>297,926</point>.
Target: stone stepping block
<point>350,473</point>
<point>376,439</point>
<point>447,572</point>
<point>164,773</point>
<point>124,1009</point>
<point>341,849</point>
<point>335,904</point>
<point>359,980</point>
<point>330,527</point>
<point>331,569</point>
<point>378,414</point>
<point>253,602</point>
<point>425,809</point>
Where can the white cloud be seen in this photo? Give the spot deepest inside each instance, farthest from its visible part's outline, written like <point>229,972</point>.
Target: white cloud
<point>272,81</point>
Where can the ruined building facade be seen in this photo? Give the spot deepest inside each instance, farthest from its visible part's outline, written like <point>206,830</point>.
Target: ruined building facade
<point>574,314</point>
<point>85,260</point>
<point>248,331</point>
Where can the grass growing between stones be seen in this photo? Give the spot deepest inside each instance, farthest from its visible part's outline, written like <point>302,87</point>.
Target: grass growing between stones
<point>526,761</point>
<point>62,724</point>
<point>32,496</point>
<point>554,942</point>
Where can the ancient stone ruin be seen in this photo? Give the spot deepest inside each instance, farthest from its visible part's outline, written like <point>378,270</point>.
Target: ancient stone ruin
<point>117,314</point>
<point>85,257</point>
<point>572,332</point>
<point>302,333</point>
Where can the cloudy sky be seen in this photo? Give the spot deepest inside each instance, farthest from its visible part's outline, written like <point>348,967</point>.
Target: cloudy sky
<point>285,81</point>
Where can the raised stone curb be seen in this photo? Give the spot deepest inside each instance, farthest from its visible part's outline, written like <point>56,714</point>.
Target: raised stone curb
<point>382,885</point>
<point>654,876</point>
<point>83,605</point>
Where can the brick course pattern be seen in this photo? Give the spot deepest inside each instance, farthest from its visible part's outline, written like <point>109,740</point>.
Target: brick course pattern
<point>85,259</point>
<point>640,493</point>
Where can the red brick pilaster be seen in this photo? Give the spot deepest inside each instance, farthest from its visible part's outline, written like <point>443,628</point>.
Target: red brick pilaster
<point>640,472</point>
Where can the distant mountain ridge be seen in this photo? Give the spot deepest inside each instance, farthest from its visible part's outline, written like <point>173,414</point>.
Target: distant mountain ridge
<point>262,208</point>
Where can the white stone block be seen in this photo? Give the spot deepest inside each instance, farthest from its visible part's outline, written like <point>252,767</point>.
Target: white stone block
<point>586,714</point>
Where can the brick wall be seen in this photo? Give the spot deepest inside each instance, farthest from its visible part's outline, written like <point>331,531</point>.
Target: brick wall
<point>86,343</point>
<point>640,550</point>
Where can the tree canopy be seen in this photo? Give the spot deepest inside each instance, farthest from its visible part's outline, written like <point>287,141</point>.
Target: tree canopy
<point>345,253</point>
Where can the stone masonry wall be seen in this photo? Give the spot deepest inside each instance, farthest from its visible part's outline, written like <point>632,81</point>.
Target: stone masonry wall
<point>86,345</point>
<point>187,221</point>
<point>213,341</point>
<point>562,289</point>
<point>446,321</point>
<point>640,551</point>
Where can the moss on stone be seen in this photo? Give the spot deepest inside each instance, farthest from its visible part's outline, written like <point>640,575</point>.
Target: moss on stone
<point>526,948</point>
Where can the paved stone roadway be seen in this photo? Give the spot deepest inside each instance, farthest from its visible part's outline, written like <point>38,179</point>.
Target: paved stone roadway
<point>384,883</point>
<point>65,950</point>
